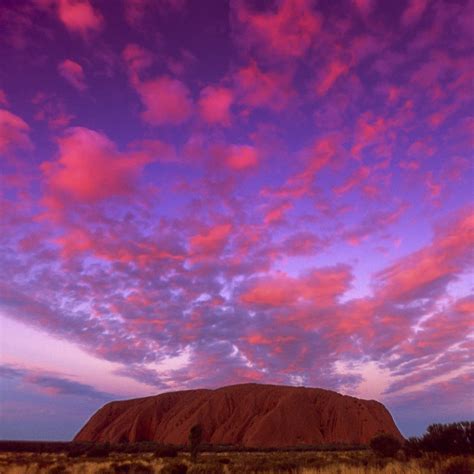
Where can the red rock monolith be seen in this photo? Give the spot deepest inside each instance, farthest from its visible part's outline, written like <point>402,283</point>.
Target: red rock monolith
<point>248,415</point>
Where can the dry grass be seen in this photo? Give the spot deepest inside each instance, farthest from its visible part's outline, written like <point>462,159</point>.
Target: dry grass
<point>352,462</point>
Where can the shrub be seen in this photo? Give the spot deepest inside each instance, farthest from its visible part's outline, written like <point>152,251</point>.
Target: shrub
<point>207,468</point>
<point>75,453</point>
<point>385,445</point>
<point>99,451</point>
<point>166,452</point>
<point>175,468</point>
<point>413,448</point>
<point>133,468</point>
<point>452,438</point>
<point>195,439</point>
<point>59,469</point>
<point>459,466</point>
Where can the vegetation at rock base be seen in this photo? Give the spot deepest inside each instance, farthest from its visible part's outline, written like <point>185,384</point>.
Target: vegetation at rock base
<point>443,449</point>
<point>451,438</point>
<point>385,445</point>
<point>195,439</point>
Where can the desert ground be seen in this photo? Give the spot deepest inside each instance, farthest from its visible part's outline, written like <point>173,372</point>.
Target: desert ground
<point>340,462</point>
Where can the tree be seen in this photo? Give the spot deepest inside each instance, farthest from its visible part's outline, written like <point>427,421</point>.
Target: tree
<point>451,438</point>
<point>195,438</point>
<point>385,445</point>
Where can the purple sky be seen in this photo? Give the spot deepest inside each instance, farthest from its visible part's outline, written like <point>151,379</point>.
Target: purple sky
<point>201,193</point>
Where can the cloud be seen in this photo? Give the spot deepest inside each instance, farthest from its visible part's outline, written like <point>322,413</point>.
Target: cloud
<point>136,11</point>
<point>137,59</point>
<point>79,16</point>
<point>89,167</point>
<point>277,213</point>
<point>256,88</point>
<point>426,272</point>
<point>73,73</point>
<point>166,101</point>
<point>53,384</point>
<point>3,98</point>
<point>333,72</point>
<point>320,286</point>
<point>413,12</point>
<point>215,104</point>
<point>286,30</point>
<point>302,243</point>
<point>240,157</point>
<point>14,132</point>
<point>365,7</point>
<point>210,242</point>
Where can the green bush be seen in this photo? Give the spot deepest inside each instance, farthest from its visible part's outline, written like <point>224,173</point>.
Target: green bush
<point>385,445</point>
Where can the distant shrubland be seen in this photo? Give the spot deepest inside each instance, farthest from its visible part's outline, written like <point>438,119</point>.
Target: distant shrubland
<point>443,449</point>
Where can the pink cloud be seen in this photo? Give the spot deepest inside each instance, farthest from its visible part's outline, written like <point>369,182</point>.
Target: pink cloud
<point>136,58</point>
<point>211,241</point>
<point>413,12</point>
<point>13,132</point>
<point>324,151</point>
<point>277,213</point>
<point>320,286</point>
<point>365,7</point>
<point>302,243</point>
<point>257,88</point>
<point>334,71</point>
<point>79,16</point>
<point>73,73</point>
<point>3,98</point>
<point>287,31</point>
<point>277,291</point>
<point>52,110</point>
<point>136,10</point>
<point>90,168</point>
<point>370,131</point>
<point>355,179</point>
<point>425,271</point>
<point>241,157</point>
<point>214,105</point>
<point>166,101</point>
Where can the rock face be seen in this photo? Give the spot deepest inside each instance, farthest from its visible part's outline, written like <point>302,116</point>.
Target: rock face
<point>250,415</point>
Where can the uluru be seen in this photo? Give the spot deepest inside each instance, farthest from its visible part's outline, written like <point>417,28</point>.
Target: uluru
<point>247,415</point>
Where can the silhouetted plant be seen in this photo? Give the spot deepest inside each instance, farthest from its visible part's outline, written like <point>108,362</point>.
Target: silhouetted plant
<point>385,445</point>
<point>99,451</point>
<point>459,466</point>
<point>59,469</point>
<point>451,438</point>
<point>133,468</point>
<point>195,439</point>
<point>413,447</point>
<point>175,468</point>
<point>166,452</point>
<point>206,468</point>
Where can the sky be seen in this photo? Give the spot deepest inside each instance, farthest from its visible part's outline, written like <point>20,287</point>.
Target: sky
<point>203,193</point>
